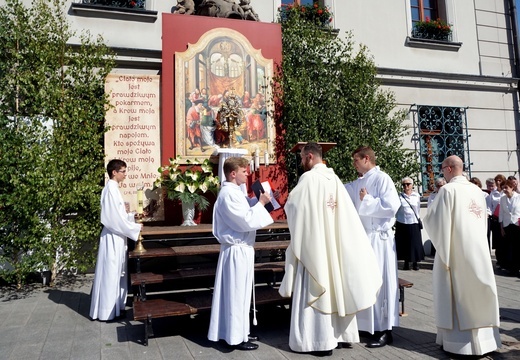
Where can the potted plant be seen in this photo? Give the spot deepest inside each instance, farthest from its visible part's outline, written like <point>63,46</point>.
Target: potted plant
<point>188,184</point>
<point>132,4</point>
<point>316,13</point>
<point>432,29</point>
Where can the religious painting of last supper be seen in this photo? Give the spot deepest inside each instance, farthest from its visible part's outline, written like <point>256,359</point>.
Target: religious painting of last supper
<point>222,85</point>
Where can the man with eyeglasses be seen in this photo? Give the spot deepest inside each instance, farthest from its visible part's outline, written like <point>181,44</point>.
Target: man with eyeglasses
<point>376,200</point>
<point>109,290</point>
<point>464,290</point>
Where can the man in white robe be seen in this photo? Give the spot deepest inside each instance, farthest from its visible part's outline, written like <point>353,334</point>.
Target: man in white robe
<point>235,221</point>
<point>110,286</point>
<point>464,290</point>
<point>330,268</point>
<point>377,201</point>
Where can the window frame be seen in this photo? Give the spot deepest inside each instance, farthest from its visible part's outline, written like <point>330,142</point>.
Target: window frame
<point>421,7</point>
<point>298,2</point>
<point>431,139</point>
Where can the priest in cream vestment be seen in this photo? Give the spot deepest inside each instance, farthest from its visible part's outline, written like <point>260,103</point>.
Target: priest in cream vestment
<point>464,290</point>
<point>330,268</point>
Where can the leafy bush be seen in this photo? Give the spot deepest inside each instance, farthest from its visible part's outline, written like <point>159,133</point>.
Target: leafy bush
<point>331,94</point>
<point>51,158</point>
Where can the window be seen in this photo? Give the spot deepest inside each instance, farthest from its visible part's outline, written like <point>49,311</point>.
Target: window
<point>423,9</point>
<point>429,20</point>
<point>299,2</point>
<point>439,131</point>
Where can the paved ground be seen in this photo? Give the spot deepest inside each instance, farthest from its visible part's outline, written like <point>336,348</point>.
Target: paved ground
<point>53,323</point>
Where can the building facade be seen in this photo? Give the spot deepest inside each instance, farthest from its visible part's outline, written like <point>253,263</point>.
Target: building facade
<point>461,89</point>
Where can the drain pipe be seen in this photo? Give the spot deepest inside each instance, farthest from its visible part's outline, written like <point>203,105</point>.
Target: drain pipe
<point>514,29</point>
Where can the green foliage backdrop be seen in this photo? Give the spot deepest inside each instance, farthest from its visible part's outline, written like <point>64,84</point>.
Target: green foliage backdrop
<point>52,110</point>
<point>326,90</point>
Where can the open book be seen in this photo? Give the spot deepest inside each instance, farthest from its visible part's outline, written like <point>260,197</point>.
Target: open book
<point>259,188</point>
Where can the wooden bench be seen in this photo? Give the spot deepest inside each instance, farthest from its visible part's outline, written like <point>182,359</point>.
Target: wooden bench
<point>140,280</point>
<point>193,302</point>
<point>198,250</point>
<point>403,284</point>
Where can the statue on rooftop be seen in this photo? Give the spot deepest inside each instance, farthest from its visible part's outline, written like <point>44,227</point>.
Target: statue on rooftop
<point>217,8</point>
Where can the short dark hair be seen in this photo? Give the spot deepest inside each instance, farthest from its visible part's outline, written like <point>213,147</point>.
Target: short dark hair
<point>509,183</point>
<point>115,164</point>
<point>233,163</point>
<point>363,151</point>
<point>313,148</point>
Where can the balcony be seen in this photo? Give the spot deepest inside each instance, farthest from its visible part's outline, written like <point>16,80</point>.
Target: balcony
<point>127,4</point>
<point>432,34</point>
<point>132,10</point>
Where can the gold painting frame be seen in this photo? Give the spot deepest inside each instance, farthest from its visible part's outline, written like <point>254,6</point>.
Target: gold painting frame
<point>222,60</point>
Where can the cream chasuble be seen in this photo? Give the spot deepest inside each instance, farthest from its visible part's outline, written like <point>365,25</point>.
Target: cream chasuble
<point>331,269</point>
<point>464,289</point>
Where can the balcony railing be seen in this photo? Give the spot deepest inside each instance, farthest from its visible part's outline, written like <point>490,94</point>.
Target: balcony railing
<point>432,35</point>
<point>127,4</point>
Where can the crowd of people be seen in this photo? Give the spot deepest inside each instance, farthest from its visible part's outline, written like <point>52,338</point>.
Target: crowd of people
<point>341,265</point>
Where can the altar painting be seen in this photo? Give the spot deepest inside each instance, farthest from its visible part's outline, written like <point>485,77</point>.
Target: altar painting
<point>222,68</point>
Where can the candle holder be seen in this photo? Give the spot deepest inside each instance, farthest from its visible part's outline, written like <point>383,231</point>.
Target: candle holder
<point>139,248</point>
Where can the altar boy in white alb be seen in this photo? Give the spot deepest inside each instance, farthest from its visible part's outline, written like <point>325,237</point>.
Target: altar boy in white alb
<point>110,280</point>
<point>235,221</point>
<point>376,199</point>
<point>464,290</point>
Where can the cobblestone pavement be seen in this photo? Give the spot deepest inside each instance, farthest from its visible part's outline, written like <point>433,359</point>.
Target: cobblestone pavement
<point>52,323</point>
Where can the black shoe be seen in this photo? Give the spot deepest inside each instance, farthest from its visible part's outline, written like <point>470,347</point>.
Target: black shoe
<point>385,338</point>
<point>415,266</point>
<point>246,346</point>
<point>344,345</point>
<point>253,337</point>
<point>321,353</point>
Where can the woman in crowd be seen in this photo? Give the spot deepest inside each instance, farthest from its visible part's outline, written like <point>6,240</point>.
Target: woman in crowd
<point>509,216</point>
<point>439,182</point>
<point>498,238</point>
<point>408,238</point>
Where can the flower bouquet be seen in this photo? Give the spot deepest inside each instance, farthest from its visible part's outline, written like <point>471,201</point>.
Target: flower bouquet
<point>189,184</point>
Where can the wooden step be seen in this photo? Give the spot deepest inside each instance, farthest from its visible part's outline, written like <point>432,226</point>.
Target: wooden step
<point>193,250</point>
<point>405,283</point>
<point>187,273</point>
<point>192,302</point>
<point>157,308</point>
